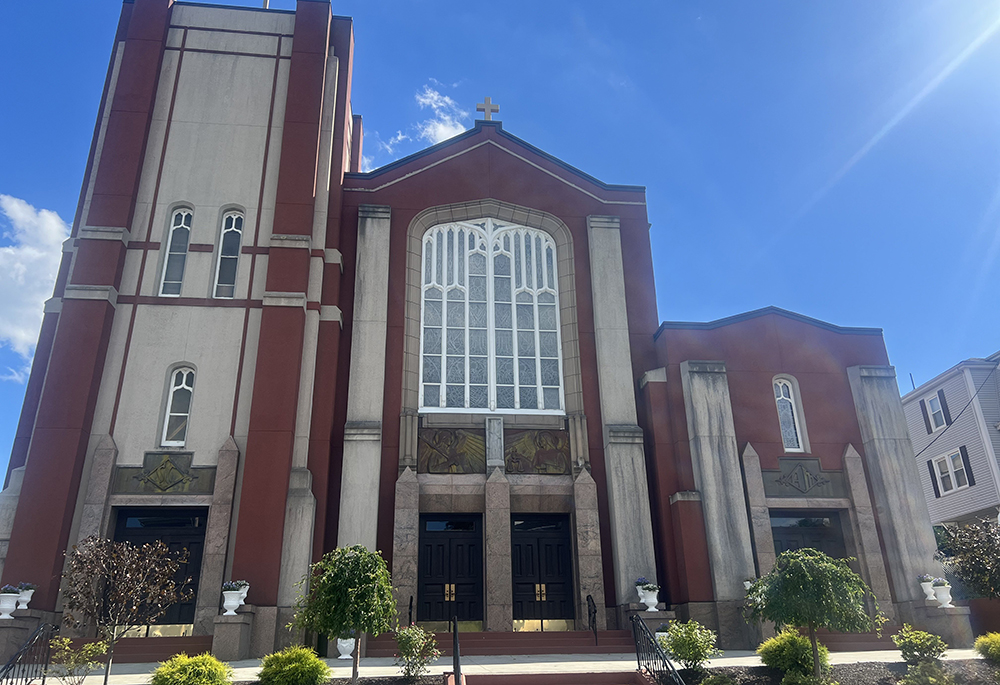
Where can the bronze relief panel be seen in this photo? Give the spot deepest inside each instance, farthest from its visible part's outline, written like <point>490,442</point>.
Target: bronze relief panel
<point>451,450</point>
<point>537,451</point>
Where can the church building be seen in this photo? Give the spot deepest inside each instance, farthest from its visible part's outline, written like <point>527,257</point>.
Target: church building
<point>258,352</point>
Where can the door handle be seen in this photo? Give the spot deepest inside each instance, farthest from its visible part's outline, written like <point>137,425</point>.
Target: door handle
<point>449,592</point>
<point>538,592</point>
<point>543,591</point>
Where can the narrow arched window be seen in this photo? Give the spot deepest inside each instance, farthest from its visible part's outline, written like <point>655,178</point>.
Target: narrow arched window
<point>788,415</point>
<point>175,423</point>
<point>490,319</point>
<point>177,247</point>
<point>229,254</point>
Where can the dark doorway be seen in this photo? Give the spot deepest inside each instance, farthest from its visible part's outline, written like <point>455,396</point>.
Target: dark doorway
<point>542,570</point>
<point>817,529</point>
<point>450,575</point>
<point>179,529</point>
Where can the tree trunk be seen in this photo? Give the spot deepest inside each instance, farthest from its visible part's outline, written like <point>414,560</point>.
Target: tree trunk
<point>357,657</point>
<point>107,666</point>
<point>815,646</point>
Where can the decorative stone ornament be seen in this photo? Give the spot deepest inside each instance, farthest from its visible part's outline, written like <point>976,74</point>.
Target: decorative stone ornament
<point>231,601</point>
<point>345,647</point>
<point>8,601</point>
<point>647,593</point>
<point>942,593</point>
<point>24,598</point>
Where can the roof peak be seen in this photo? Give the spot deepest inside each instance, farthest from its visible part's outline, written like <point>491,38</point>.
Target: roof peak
<point>764,311</point>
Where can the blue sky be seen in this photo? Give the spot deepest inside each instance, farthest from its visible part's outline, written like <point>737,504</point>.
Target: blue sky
<point>840,158</point>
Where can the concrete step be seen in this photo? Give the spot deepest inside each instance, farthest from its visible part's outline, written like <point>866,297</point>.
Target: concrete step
<point>486,643</point>
<point>623,678</point>
<point>141,650</point>
<point>856,642</point>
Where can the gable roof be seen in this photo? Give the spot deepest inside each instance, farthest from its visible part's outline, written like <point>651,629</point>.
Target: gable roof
<point>765,311</point>
<point>497,128</point>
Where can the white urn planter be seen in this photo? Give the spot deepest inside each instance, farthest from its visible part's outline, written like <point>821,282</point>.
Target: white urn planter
<point>231,601</point>
<point>345,647</point>
<point>928,589</point>
<point>24,598</point>
<point>647,597</point>
<point>943,595</point>
<point>8,602</point>
<point>243,594</point>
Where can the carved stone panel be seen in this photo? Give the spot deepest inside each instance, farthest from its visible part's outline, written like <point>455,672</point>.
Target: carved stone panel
<point>803,478</point>
<point>537,451</point>
<point>451,450</point>
<point>164,473</point>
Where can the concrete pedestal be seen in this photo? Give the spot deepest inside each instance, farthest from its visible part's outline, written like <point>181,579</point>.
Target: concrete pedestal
<point>231,637</point>
<point>951,624</point>
<point>652,619</point>
<point>14,632</point>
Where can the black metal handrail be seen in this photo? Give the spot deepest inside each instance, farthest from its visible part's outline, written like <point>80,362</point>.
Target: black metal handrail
<point>650,656</point>
<point>456,659</point>
<point>592,616</point>
<point>31,661</point>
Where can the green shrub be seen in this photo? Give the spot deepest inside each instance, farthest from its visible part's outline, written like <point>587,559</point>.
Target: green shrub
<point>917,645</point>
<point>203,669</point>
<point>417,649</point>
<point>296,665</point>
<point>927,673</point>
<point>988,646</point>
<point>788,651</point>
<point>71,666</point>
<point>689,643</point>
<point>796,678</point>
<point>718,679</point>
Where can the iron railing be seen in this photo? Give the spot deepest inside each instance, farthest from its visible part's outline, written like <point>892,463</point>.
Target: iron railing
<point>456,659</point>
<point>29,663</point>
<point>592,616</point>
<point>650,656</point>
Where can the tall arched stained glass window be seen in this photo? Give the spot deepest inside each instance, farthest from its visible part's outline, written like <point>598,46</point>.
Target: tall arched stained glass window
<point>175,423</point>
<point>489,319</point>
<point>788,415</point>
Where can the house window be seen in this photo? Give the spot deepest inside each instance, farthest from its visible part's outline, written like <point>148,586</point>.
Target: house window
<point>936,413</point>
<point>229,254</point>
<point>788,415</point>
<point>177,247</point>
<point>490,319</point>
<point>951,472</point>
<point>175,423</point>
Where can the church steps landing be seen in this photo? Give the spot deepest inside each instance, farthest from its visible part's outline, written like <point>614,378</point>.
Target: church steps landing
<point>624,678</point>
<point>493,643</point>
<point>856,642</point>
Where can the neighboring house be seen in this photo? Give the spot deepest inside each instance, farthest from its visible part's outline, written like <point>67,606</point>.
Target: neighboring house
<point>953,421</point>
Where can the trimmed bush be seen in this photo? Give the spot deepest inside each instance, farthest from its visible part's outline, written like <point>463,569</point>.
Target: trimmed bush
<point>690,643</point>
<point>296,665</point>
<point>927,673</point>
<point>796,678</point>
<point>917,645</point>
<point>718,679</point>
<point>788,651</point>
<point>988,646</point>
<point>203,669</point>
<point>417,649</point>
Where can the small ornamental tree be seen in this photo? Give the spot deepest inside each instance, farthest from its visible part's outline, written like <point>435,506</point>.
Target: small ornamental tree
<point>117,585</point>
<point>808,589</point>
<point>972,553</point>
<point>348,589</point>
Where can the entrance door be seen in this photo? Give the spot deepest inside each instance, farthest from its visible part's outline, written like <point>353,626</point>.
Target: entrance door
<point>819,530</point>
<point>542,570</point>
<point>180,529</point>
<point>450,575</point>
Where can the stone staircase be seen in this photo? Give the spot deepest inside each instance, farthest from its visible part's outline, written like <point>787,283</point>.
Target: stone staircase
<point>547,642</point>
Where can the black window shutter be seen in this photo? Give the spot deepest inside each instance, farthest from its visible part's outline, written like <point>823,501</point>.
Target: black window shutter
<point>927,419</point>
<point>930,467</point>
<point>944,408</point>
<point>965,462</point>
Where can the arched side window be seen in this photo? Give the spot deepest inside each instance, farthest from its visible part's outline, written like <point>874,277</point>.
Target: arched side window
<point>175,423</point>
<point>177,248</point>
<point>229,254</point>
<point>490,319</point>
<point>789,415</point>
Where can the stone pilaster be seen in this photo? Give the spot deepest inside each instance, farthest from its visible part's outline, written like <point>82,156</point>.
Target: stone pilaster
<point>405,543</point>
<point>8,507</point>
<point>94,513</point>
<point>363,432</point>
<point>589,565</point>
<point>578,444</point>
<point>760,515</point>
<point>717,476</point>
<point>499,592</point>
<point>628,493</point>
<point>296,547</point>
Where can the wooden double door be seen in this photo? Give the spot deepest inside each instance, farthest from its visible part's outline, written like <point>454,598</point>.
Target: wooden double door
<point>450,575</point>
<point>542,570</point>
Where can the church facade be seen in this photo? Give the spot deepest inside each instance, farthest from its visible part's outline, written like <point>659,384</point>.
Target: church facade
<point>259,353</point>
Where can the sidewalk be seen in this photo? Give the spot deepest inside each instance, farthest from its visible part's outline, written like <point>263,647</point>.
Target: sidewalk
<point>137,674</point>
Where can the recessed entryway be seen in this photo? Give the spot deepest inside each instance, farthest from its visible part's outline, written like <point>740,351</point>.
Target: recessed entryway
<point>542,572</point>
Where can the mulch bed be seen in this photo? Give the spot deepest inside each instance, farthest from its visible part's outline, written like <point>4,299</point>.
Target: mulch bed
<point>971,672</point>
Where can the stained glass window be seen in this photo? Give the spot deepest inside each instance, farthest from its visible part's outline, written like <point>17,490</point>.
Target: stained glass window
<point>787,419</point>
<point>489,291</point>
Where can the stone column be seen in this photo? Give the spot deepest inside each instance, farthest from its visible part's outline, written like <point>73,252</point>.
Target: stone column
<point>624,457</point>
<point>363,431</point>
<point>589,565</point>
<point>213,561</point>
<point>760,515</point>
<point>296,546</point>
<point>499,591</point>
<point>869,550</point>
<point>8,507</point>
<point>94,514</point>
<point>405,543</point>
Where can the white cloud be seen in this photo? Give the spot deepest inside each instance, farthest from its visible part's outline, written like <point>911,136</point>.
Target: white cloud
<point>390,145</point>
<point>447,119</point>
<point>28,268</point>
<point>367,163</point>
